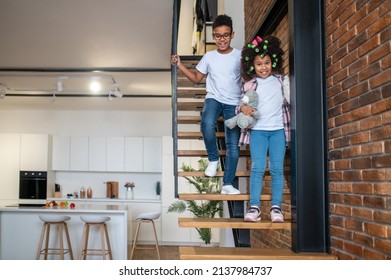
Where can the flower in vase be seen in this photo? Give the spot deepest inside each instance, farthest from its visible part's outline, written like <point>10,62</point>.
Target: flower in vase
<point>129,185</point>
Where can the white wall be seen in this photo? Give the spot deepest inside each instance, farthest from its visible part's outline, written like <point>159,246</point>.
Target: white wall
<point>235,9</point>
<point>87,123</point>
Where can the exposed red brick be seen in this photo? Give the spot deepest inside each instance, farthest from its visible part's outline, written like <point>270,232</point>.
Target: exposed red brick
<point>372,148</point>
<point>382,189</point>
<point>353,248</point>
<point>360,137</point>
<point>374,202</point>
<point>383,217</point>
<point>362,213</point>
<point>363,239</point>
<point>375,229</point>
<point>343,210</point>
<point>369,71</point>
<point>380,133</point>
<point>379,53</point>
<point>342,164</point>
<point>382,161</point>
<point>358,89</point>
<point>371,254</point>
<point>369,97</point>
<point>380,79</point>
<point>363,188</point>
<point>352,175</point>
<point>341,187</point>
<point>361,163</point>
<point>373,175</point>
<point>383,245</point>
<point>371,122</point>
<point>353,200</point>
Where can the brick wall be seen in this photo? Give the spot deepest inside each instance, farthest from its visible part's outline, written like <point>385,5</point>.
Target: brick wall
<point>359,102</point>
<point>255,12</point>
<point>359,108</point>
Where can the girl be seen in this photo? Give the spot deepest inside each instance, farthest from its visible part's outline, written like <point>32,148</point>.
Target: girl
<point>261,65</point>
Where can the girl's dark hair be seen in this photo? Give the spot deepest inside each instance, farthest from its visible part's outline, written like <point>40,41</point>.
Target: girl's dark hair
<point>222,20</point>
<point>269,45</point>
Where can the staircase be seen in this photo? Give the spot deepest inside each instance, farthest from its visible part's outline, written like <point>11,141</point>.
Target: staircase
<point>189,106</point>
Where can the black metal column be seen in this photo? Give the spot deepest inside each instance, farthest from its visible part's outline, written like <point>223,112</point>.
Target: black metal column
<point>310,207</point>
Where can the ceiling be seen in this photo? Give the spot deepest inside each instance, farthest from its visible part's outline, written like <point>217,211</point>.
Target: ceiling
<point>117,43</point>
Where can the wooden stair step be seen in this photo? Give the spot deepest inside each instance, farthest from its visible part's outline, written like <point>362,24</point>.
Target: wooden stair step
<point>192,119</point>
<point>191,92</point>
<point>226,197</point>
<point>201,153</point>
<point>190,106</point>
<point>246,253</point>
<point>230,223</point>
<point>196,135</point>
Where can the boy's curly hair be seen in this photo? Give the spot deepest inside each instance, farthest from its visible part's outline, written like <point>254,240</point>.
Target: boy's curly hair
<point>222,20</point>
<point>269,45</point>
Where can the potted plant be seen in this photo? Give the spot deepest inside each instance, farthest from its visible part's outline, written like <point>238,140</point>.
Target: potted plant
<point>203,208</point>
<point>158,189</point>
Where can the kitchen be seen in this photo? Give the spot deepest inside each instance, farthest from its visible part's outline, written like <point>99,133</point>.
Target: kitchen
<point>143,112</point>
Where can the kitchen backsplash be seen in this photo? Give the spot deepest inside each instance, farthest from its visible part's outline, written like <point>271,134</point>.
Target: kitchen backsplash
<point>71,182</point>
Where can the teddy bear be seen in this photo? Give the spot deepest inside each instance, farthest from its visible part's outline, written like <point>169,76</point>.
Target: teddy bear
<point>245,121</point>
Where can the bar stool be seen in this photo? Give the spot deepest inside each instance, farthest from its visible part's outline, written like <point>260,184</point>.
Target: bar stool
<point>60,223</point>
<point>146,218</point>
<point>99,222</point>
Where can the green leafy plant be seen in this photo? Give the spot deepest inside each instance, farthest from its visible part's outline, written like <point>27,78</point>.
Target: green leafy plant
<point>202,208</point>
<point>158,188</point>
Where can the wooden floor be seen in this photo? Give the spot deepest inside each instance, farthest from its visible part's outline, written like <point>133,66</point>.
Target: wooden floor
<point>166,253</point>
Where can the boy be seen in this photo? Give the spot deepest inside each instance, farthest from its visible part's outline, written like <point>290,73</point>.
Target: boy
<point>223,86</point>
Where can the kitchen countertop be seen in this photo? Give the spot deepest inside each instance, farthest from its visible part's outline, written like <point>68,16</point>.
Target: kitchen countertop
<point>87,208</point>
<point>104,199</point>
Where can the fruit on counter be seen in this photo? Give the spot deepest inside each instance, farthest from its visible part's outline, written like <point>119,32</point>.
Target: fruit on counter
<point>72,205</point>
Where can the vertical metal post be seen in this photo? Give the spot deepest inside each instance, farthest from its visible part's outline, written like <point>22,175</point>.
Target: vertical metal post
<point>174,101</point>
<point>309,160</point>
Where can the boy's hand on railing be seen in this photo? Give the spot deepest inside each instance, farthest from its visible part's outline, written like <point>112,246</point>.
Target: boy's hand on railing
<point>175,59</point>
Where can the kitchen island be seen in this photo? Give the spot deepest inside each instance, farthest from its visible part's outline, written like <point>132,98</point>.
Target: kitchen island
<point>20,229</point>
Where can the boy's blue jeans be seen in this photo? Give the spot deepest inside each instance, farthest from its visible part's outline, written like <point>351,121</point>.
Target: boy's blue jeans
<point>262,141</point>
<point>211,111</point>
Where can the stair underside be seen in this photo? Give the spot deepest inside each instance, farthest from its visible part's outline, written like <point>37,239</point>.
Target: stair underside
<point>226,197</point>
<point>231,223</point>
<point>242,253</point>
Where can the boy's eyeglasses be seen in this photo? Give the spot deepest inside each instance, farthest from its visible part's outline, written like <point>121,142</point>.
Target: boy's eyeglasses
<point>219,36</point>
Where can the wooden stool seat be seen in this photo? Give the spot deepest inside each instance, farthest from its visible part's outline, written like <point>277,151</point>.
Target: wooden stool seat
<point>146,218</point>
<point>60,223</point>
<point>100,222</point>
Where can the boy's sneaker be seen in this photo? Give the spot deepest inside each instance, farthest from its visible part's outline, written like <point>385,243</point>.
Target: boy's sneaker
<point>253,214</point>
<point>276,214</point>
<point>229,189</point>
<point>210,171</point>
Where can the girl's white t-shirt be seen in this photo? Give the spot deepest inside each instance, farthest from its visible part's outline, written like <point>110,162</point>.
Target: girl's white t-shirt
<point>222,71</point>
<point>270,104</point>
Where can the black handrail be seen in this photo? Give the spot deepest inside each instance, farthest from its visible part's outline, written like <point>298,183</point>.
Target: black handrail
<point>174,101</point>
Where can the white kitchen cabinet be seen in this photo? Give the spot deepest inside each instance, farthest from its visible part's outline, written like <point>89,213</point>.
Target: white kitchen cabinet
<point>97,153</point>
<point>61,151</point>
<point>9,168</point>
<point>79,153</point>
<point>152,154</point>
<point>115,153</point>
<point>34,152</point>
<point>134,157</point>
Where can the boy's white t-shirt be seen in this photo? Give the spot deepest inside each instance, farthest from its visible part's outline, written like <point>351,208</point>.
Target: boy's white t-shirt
<point>270,104</point>
<point>222,71</point>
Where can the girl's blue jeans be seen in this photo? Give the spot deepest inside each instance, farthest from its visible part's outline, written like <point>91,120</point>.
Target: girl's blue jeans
<point>211,111</point>
<point>262,141</point>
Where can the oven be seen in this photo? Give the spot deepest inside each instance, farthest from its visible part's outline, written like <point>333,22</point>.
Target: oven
<point>32,188</point>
